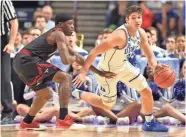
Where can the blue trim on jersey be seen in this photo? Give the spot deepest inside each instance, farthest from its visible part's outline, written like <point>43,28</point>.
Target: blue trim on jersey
<point>134,78</point>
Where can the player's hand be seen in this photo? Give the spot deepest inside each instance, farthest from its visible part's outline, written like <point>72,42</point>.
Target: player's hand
<point>107,74</point>
<point>79,79</point>
<point>159,67</point>
<point>9,48</point>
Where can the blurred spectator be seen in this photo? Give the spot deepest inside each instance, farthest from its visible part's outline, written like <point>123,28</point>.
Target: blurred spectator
<point>48,12</point>
<point>159,52</point>
<point>168,14</point>
<point>26,38</point>
<point>181,12</point>
<point>147,15</point>
<point>170,47</point>
<point>183,70</point>
<point>117,15</point>
<point>40,23</point>
<point>34,32</point>
<point>180,47</point>
<point>18,45</point>
<point>72,42</point>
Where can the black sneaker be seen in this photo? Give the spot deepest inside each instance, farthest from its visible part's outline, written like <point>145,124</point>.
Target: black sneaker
<point>7,120</point>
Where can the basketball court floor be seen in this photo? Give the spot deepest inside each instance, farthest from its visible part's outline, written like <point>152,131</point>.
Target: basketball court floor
<point>80,130</point>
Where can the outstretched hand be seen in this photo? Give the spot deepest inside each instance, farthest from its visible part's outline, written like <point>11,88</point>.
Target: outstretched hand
<point>79,79</point>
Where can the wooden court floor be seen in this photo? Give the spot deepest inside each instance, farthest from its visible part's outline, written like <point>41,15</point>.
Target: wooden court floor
<point>92,131</point>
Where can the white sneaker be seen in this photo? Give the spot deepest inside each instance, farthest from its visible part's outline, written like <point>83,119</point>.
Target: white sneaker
<point>53,120</point>
<point>89,119</point>
<point>139,120</point>
<point>18,118</point>
<point>102,120</point>
<point>123,121</point>
<point>173,121</point>
<point>164,120</point>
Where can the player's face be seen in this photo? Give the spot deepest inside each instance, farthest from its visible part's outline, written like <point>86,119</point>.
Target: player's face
<point>135,20</point>
<point>68,27</point>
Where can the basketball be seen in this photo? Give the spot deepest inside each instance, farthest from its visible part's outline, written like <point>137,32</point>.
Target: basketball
<point>164,77</point>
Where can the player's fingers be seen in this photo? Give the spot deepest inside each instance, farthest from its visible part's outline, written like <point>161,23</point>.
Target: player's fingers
<point>5,49</point>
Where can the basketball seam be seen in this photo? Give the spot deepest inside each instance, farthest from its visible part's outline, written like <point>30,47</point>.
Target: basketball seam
<point>159,74</point>
<point>167,78</point>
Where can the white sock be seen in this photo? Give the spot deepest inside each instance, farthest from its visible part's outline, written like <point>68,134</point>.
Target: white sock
<point>149,118</point>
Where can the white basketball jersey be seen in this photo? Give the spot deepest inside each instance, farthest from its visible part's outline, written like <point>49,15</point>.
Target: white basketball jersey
<point>113,59</point>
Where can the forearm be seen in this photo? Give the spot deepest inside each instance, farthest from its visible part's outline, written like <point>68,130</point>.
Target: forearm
<point>152,62</point>
<point>13,31</point>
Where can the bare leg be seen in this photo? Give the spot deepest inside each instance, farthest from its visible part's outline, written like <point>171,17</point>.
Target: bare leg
<point>22,109</point>
<point>86,112</point>
<point>147,101</point>
<point>168,110</point>
<point>93,99</point>
<point>47,113</point>
<point>79,116</point>
<point>42,96</point>
<point>64,92</point>
<point>105,113</point>
<point>132,110</point>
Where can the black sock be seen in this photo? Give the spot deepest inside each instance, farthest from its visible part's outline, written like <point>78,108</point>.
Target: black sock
<point>28,119</point>
<point>62,113</point>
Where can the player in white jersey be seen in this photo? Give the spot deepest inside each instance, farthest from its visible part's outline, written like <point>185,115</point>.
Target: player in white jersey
<point>116,50</point>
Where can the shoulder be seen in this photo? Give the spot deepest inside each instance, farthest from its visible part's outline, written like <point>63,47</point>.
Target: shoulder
<point>119,34</point>
<point>58,35</point>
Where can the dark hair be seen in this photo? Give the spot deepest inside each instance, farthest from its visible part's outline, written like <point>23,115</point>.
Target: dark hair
<point>26,32</point>
<point>133,8</point>
<point>62,17</point>
<point>41,16</point>
<point>148,31</point>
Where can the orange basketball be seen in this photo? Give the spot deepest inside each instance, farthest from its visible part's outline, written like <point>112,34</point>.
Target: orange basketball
<point>164,77</point>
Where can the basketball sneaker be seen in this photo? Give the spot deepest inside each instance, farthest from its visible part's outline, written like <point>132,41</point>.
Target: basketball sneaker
<point>139,120</point>
<point>89,119</point>
<point>154,126</point>
<point>32,126</point>
<point>66,123</point>
<point>102,120</point>
<point>123,121</point>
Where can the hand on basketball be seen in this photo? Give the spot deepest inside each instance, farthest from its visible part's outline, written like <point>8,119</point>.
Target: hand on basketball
<point>159,67</point>
<point>107,74</point>
<point>79,79</point>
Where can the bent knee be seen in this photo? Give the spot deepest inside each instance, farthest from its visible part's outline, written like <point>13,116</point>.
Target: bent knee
<point>147,92</point>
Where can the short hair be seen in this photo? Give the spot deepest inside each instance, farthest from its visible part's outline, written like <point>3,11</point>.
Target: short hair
<point>41,16</point>
<point>30,29</point>
<point>26,32</point>
<point>133,8</point>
